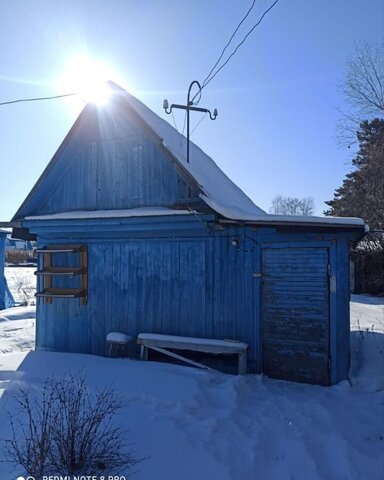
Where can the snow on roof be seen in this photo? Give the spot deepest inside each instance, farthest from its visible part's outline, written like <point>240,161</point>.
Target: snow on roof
<point>131,212</point>
<point>220,193</point>
<point>297,219</point>
<point>160,211</point>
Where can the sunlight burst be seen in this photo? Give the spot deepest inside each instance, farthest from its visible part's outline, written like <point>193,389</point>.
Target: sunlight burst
<point>88,78</point>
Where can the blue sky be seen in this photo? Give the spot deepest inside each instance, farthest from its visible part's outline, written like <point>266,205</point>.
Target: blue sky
<point>277,98</point>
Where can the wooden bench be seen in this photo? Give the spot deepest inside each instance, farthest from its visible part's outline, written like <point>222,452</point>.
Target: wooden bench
<point>160,343</point>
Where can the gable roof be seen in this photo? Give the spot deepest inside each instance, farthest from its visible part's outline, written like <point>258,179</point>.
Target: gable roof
<point>217,190</point>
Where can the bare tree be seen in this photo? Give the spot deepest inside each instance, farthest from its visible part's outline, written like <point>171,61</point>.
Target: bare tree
<point>364,82</point>
<point>68,429</point>
<point>363,89</point>
<point>292,206</point>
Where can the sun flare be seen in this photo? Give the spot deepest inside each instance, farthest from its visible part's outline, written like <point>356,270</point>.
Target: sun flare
<point>88,78</point>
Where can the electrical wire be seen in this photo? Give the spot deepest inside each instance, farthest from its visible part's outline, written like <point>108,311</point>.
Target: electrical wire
<point>212,76</point>
<point>39,98</point>
<point>241,43</point>
<point>208,78</point>
<point>179,134</point>
<point>198,123</point>
<point>229,41</point>
<point>185,120</point>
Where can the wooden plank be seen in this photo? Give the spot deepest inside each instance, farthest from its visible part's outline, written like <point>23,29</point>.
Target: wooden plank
<point>208,345</point>
<point>179,357</point>
<point>161,343</point>
<point>209,287</point>
<point>339,303</point>
<point>192,288</point>
<point>65,271</point>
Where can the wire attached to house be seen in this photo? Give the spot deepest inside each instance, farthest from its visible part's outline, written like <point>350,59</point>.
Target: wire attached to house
<point>177,130</point>
<point>198,123</point>
<point>212,75</point>
<point>39,98</point>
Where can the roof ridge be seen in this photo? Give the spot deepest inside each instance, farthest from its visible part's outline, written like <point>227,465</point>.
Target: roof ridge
<point>220,192</point>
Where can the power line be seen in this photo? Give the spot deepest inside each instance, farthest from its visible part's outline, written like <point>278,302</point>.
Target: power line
<point>210,77</point>
<point>39,98</point>
<point>241,43</point>
<point>229,41</point>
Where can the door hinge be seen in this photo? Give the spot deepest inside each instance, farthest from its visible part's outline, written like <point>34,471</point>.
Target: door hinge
<point>329,269</point>
<point>329,364</point>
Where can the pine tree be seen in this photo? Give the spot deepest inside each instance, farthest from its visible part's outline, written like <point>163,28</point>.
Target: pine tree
<point>362,192</point>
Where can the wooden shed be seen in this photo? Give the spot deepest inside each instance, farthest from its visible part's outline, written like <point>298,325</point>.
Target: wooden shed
<point>132,238</point>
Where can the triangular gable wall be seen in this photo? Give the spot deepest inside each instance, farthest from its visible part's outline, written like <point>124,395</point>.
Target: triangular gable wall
<point>109,160</point>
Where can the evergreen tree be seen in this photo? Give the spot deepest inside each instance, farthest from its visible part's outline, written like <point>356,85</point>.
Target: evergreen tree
<point>362,192</point>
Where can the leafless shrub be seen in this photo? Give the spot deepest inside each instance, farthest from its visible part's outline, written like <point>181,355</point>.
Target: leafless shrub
<point>68,430</point>
<point>29,445</point>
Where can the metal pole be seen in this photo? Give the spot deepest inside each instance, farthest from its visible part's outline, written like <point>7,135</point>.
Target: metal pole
<point>188,130</point>
<point>189,104</point>
<point>188,108</point>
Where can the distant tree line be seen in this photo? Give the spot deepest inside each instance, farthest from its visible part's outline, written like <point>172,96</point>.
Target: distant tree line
<point>292,206</point>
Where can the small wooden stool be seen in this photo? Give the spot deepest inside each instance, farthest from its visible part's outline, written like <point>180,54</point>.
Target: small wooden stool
<point>117,344</point>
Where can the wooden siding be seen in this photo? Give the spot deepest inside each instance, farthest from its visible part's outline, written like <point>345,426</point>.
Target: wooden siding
<point>191,280</point>
<point>115,174</point>
<point>173,286</point>
<point>295,299</point>
<point>117,164</point>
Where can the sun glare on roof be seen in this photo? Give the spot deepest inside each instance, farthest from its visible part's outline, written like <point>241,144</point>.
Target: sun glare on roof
<point>87,78</point>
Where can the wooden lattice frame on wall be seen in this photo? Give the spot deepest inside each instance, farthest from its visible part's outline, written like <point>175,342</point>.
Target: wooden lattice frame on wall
<point>48,271</point>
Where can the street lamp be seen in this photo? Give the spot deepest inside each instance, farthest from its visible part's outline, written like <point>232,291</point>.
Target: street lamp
<point>189,107</point>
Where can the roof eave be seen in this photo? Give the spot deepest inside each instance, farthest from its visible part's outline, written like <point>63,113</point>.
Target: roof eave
<point>280,223</point>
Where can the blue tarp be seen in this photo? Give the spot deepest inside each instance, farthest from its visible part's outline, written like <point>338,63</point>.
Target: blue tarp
<point>6,298</point>
<point>8,301</point>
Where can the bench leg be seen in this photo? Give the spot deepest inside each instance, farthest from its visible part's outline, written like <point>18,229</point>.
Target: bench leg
<point>144,352</point>
<point>242,363</point>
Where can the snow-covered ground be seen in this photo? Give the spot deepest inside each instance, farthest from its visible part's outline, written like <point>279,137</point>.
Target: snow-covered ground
<point>17,329</point>
<point>367,313</point>
<point>22,283</point>
<point>198,424</point>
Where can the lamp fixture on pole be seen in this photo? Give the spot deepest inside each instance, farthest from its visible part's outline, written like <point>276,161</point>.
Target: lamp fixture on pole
<point>189,107</point>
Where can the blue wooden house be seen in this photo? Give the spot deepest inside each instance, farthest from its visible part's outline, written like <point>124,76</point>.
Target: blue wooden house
<point>132,238</point>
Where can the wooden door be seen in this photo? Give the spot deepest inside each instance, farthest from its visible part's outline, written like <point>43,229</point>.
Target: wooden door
<point>295,314</point>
